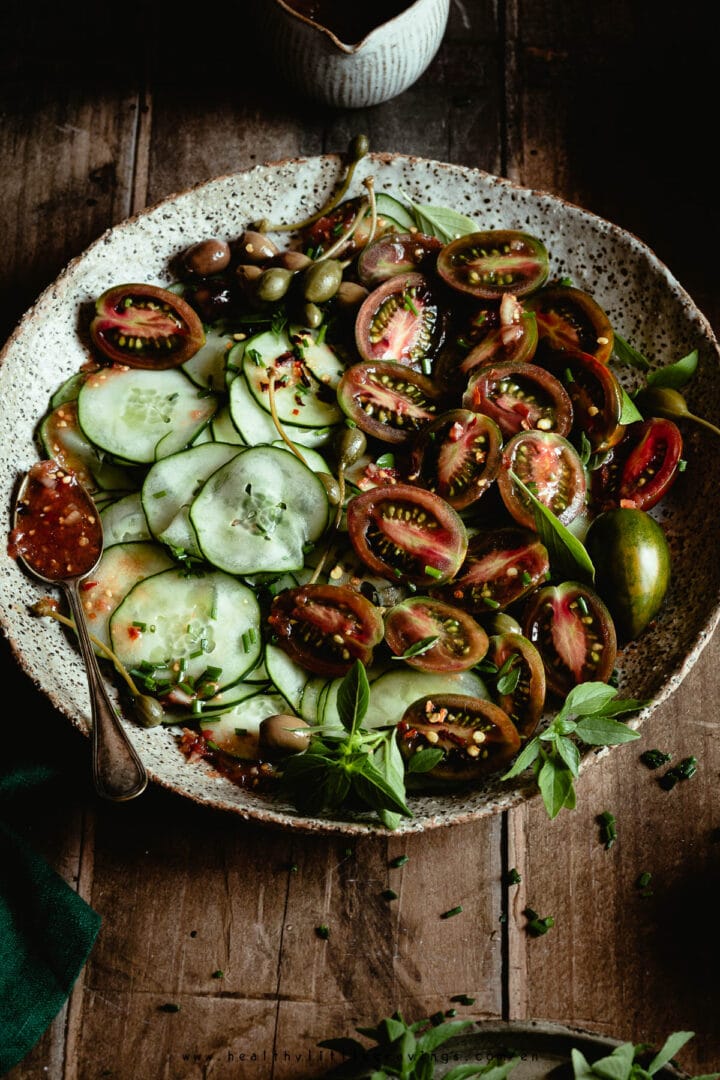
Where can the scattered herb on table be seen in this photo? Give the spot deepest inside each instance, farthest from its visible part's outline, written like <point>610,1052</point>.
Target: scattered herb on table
<point>463,999</point>
<point>451,912</point>
<point>682,771</point>
<point>513,877</point>
<point>389,894</point>
<point>323,931</point>
<point>587,716</point>
<point>608,829</point>
<point>399,861</point>
<point>218,974</point>
<point>653,759</point>
<point>169,1007</point>
<point>538,925</point>
<point>643,884</point>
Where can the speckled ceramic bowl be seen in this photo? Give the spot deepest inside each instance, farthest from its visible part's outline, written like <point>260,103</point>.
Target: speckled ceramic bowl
<point>382,64</point>
<point>646,305</point>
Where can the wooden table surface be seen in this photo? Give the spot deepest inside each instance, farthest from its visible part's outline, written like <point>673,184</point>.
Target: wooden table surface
<point>106,109</point>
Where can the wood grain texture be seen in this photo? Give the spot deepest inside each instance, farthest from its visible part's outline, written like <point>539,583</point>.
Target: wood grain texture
<point>598,105</point>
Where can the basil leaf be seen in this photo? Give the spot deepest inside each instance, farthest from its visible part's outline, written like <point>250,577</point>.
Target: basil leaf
<point>353,697</point>
<point>626,705</point>
<point>629,413</point>
<point>617,1065</point>
<point>556,784</point>
<point>418,648</point>
<point>425,760</point>
<point>373,788</point>
<point>436,1036</point>
<point>581,1068</point>
<point>487,1072</point>
<point>586,698</point>
<point>524,760</point>
<point>440,221</point>
<point>673,1043</point>
<point>603,731</point>
<point>564,549</point>
<point>570,754</point>
<point>626,354</point>
<point>675,375</point>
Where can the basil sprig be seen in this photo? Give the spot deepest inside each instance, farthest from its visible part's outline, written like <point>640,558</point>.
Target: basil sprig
<point>587,717</point>
<point>440,221</point>
<point>354,769</point>
<point>567,554</point>
<point>624,1063</point>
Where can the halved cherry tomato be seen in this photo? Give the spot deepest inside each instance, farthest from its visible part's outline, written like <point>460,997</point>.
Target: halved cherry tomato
<point>520,396</point>
<point>519,684</point>
<point>401,320</point>
<point>574,633</point>
<point>642,468</point>
<point>570,319</point>
<point>596,395</point>
<point>501,566</point>
<point>477,736</point>
<point>510,333</point>
<point>489,264</point>
<point>432,635</point>
<point>326,628</point>
<point>457,455</point>
<point>144,326</point>
<point>551,468</point>
<point>407,533</point>
<point>388,400</point>
<point>396,253</point>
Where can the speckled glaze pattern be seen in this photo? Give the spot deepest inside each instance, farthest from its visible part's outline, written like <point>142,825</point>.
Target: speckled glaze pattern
<point>645,303</point>
<point>386,62</point>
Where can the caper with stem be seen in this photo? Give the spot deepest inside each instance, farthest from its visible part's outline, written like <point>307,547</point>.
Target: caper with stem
<point>670,403</point>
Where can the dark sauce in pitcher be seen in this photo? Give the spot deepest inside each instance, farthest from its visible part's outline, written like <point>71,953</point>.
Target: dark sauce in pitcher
<point>349,23</point>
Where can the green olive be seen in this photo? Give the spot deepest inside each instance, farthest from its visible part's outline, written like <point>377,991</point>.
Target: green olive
<point>359,147</point>
<point>255,247</point>
<point>273,284</point>
<point>312,315</point>
<point>207,257</point>
<point>350,295</point>
<point>148,711</point>
<point>350,445</point>
<point>279,736</point>
<point>322,280</point>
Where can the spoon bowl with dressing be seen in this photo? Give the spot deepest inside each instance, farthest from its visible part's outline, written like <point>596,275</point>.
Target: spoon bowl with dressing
<point>57,535</point>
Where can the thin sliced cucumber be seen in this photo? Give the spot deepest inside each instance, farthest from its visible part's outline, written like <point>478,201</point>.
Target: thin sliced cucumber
<point>141,415</point>
<point>64,441</point>
<point>207,367</point>
<point>288,677</point>
<point>236,732</point>
<point>306,374</point>
<point>309,704</point>
<point>170,487</point>
<point>234,362</point>
<point>257,513</point>
<point>69,390</point>
<point>124,520</point>
<point>223,428</point>
<point>389,207</point>
<point>256,425</point>
<point>120,568</point>
<point>178,625</point>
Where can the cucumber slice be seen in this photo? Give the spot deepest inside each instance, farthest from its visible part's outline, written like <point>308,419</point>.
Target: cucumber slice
<point>63,440</point>
<point>207,367</point>
<point>120,568</point>
<point>257,513</point>
<point>236,732</point>
<point>388,206</point>
<point>178,621</point>
<point>306,376</point>
<point>141,415</point>
<point>394,690</point>
<point>256,425</point>
<point>288,677</point>
<point>124,520</point>
<point>223,429</point>
<point>170,487</point>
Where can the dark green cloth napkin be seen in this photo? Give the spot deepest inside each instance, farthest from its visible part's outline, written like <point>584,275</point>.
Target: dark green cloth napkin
<point>46,929</point>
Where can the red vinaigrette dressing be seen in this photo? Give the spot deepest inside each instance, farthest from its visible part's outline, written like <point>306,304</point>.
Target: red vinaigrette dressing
<point>57,529</point>
<point>349,22</point>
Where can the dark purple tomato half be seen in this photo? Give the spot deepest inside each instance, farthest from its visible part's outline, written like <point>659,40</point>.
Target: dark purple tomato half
<point>519,685</point>
<point>520,396</point>
<point>457,456</point>
<point>401,320</point>
<point>550,468</point>
<point>390,401</point>
<point>490,264</point>
<point>432,635</point>
<point>502,566</point>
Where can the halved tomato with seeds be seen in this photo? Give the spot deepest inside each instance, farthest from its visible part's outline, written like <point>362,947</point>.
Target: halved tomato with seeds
<point>551,468</point>
<point>407,533</point>
<point>489,264</point>
<point>144,326</point>
<point>596,395</point>
<point>502,566</point>
<point>642,468</point>
<point>396,253</point>
<point>457,455</point>
<point>477,736</point>
<point>570,319</point>
<point>401,320</point>
<point>388,400</point>
<point>520,396</point>
<point>519,682</point>
<point>326,628</point>
<point>574,632</point>
<point>433,635</point>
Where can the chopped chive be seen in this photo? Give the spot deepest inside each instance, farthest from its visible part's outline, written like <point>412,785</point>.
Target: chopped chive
<point>608,832</point>
<point>682,771</point>
<point>526,579</point>
<point>323,931</point>
<point>437,1018</point>
<point>399,861</point>
<point>389,894</point>
<point>653,759</point>
<point>169,1007</point>
<point>409,306</point>
<point>433,572</point>
<point>452,911</point>
<point>159,494</point>
<point>513,877</point>
<point>538,926</point>
<point>218,974</point>
<point>489,602</point>
<point>139,625</point>
<point>463,999</point>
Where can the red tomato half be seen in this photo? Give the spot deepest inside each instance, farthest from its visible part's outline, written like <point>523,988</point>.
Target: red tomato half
<point>432,635</point>
<point>144,326</point>
<point>401,320</point>
<point>642,468</point>
<point>520,396</point>
<point>550,467</point>
<point>501,566</point>
<point>406,533</point>
<point>570,319</point>
<point>457,455</point>
<point>520,680</point>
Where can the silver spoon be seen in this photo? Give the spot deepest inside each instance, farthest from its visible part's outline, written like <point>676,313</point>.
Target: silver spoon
<point>57,535</point>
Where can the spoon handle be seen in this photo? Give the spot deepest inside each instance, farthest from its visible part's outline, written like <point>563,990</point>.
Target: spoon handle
<point>118,772</point>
